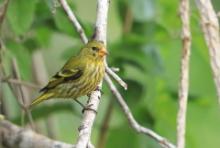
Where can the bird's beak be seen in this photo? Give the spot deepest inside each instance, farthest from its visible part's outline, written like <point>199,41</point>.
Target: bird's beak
<point>103,52</point>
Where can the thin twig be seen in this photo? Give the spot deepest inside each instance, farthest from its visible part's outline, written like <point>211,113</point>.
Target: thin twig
<point>3,9</point>
<point>115,69</point>
<point>210,27</point>
<point>73,19</point>
<point>22,95</point>
<point>184,77</point>
<point>2,103</point>
<point>11,86</point>
<point>3,108</point>
<point>133,123</point>
<point>19,82</point>
<point>116,77</point>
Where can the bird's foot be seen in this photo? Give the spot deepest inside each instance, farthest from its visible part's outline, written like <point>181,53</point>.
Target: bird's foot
<point>88,107</point>
<point>99,89</point>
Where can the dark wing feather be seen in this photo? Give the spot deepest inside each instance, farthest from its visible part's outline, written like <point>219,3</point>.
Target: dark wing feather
<point>63,76</point>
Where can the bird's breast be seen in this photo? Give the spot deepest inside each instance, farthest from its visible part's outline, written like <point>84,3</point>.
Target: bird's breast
<point>92,75</point>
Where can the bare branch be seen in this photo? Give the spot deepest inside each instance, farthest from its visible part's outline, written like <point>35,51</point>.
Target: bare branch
<point>116,77</point>
<point>210,27</point>
<point>184,77</point>
<point>89,116</point>
<point>74,21</point>
<point>133,123</point>
<point>12,136</point>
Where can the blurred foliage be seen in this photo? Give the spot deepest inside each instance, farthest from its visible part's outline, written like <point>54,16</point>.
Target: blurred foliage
<point>144,42</point>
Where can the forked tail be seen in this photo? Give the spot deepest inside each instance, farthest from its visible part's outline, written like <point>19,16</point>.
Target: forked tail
<point>41,98</point>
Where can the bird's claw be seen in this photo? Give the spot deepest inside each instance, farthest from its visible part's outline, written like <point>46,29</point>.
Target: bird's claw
<point>98,89</point>
<point>88,107</point>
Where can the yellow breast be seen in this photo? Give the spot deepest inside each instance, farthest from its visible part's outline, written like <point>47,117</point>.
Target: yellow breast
<point>88,82</point>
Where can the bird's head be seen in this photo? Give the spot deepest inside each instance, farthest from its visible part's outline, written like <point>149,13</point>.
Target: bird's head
<point>94,49</point>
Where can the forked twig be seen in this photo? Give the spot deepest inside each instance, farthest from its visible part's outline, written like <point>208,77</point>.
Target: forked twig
<point>133,123</point>
<point>22,95</point>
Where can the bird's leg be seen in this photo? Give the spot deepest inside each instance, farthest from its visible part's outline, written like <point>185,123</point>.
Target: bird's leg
<point>83,106</point>
<point>97,89</point>
<point>89,95</point>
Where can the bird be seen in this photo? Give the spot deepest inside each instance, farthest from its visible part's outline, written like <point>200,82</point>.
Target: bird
<point>79,76</point>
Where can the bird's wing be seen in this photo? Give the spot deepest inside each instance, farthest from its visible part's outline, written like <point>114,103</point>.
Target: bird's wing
<point>63,76</point>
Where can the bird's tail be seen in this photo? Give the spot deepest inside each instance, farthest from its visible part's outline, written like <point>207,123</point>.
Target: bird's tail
<point>41,98</point>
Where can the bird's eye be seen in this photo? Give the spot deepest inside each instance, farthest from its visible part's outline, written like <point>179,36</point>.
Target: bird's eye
<point>95,48</point>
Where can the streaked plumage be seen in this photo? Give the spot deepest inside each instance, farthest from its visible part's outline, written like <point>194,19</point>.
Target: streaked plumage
<point>79,76</point>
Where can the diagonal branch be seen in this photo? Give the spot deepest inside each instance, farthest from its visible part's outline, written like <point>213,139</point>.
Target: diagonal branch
<point>210,27</point>
<point>133,123</point>
<point>184,77</point>
<point>74,21</point>
<point>116,77</point>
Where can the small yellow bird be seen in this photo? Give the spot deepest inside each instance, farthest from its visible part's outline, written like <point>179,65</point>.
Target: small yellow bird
<point>79,76</point>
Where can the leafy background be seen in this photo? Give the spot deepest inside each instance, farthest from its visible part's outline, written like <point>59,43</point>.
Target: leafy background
<point>144,42</point>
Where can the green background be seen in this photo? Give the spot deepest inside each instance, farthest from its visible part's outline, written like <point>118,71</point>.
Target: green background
<point>146,48</point>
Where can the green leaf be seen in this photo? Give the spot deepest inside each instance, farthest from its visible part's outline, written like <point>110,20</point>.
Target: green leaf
<point>203,125</point>
<point>20,15</point>
<point>23,58</point>
<point>43,36</point>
